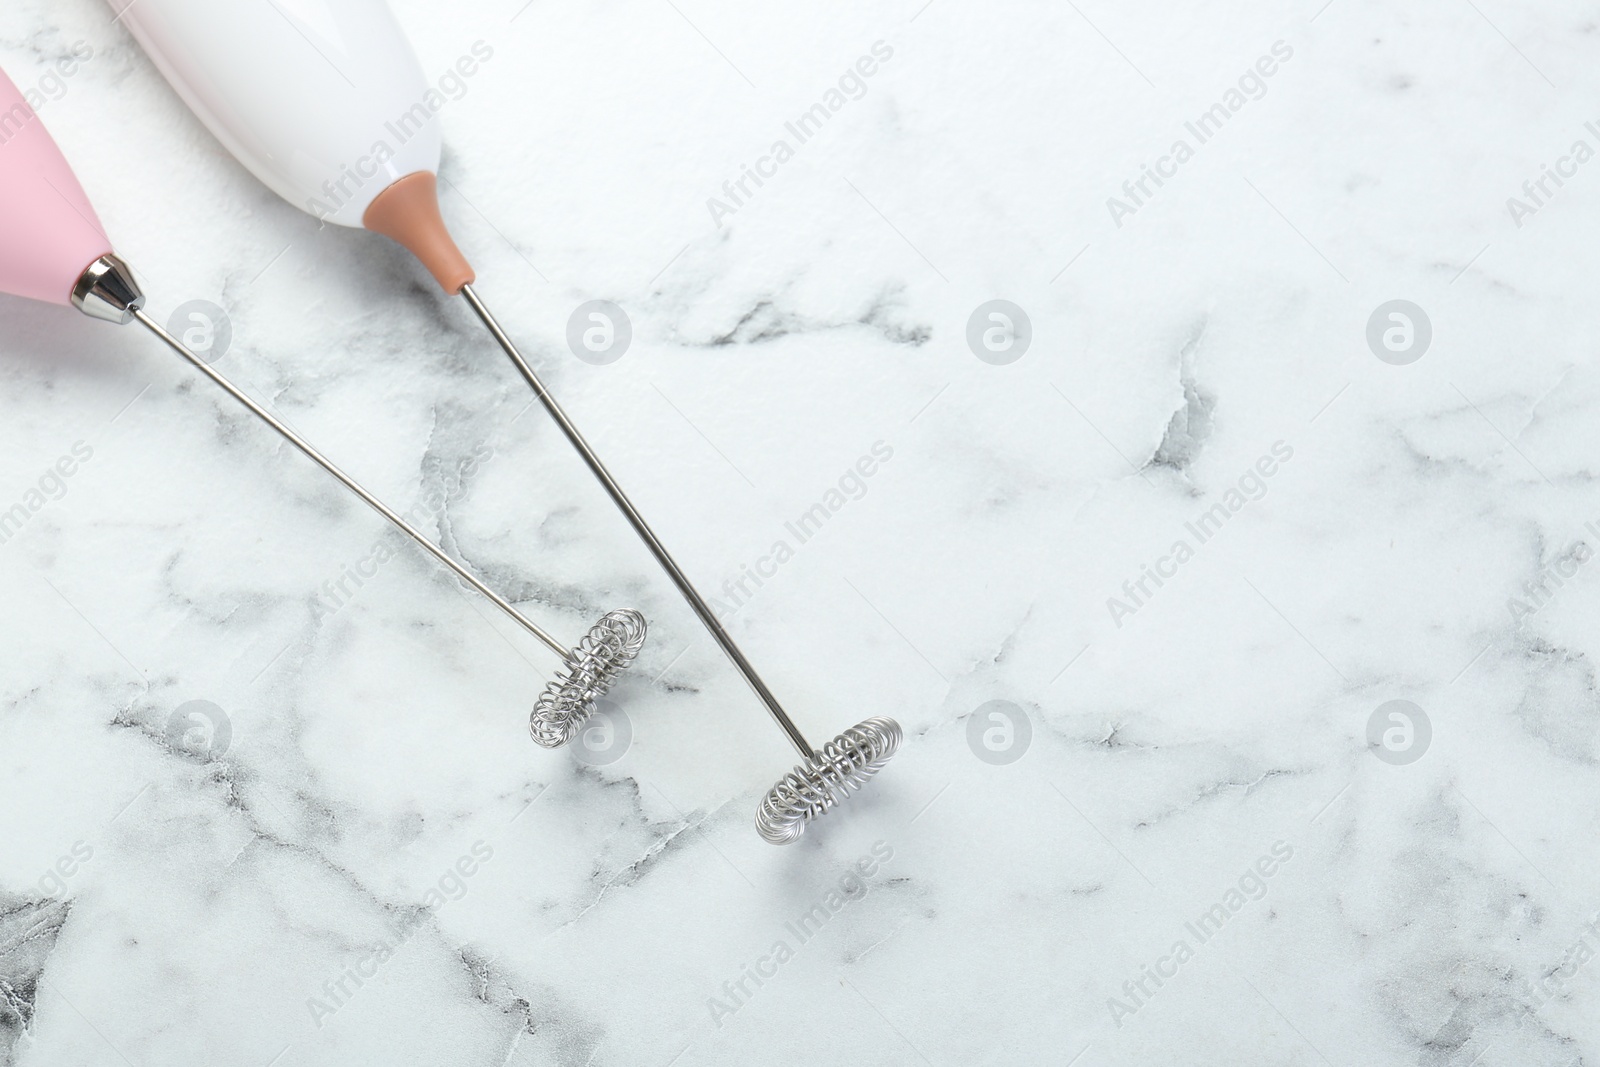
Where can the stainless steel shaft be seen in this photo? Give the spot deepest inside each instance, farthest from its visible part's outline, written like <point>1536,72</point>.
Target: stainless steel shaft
<point>351,484</point>
<point>696,602</point>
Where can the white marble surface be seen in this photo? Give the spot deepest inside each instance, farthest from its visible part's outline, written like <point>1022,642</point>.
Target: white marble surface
<point>214,903</point>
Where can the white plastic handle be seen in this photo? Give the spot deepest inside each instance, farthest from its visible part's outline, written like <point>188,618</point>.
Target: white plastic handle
<point>323,100</point>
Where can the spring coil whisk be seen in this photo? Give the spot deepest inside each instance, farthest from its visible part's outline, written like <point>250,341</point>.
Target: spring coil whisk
<point>847,762</point>
<point>588,673</point>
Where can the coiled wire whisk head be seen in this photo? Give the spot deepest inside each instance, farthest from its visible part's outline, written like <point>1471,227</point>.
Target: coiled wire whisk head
<point>847,762</point>
<point>588,673</point>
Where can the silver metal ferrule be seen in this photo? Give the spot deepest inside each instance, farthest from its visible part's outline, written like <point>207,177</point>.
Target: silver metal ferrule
<point>107,291</point>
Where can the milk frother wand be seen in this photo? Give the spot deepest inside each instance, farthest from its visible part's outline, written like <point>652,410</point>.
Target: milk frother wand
<point>827,775</point>
<point>51,230</point>
<point>326,103</point>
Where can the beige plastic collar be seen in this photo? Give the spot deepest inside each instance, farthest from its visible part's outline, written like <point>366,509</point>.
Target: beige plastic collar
<point>408,212</point>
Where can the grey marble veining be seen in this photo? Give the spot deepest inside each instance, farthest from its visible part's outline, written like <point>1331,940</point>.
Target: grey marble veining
<point>1146,811</point>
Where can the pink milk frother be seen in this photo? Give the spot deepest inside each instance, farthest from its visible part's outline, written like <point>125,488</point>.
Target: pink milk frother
<point>55,250</point>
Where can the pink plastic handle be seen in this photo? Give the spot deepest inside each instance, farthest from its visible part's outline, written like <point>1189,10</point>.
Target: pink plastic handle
<point>49,233</point>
